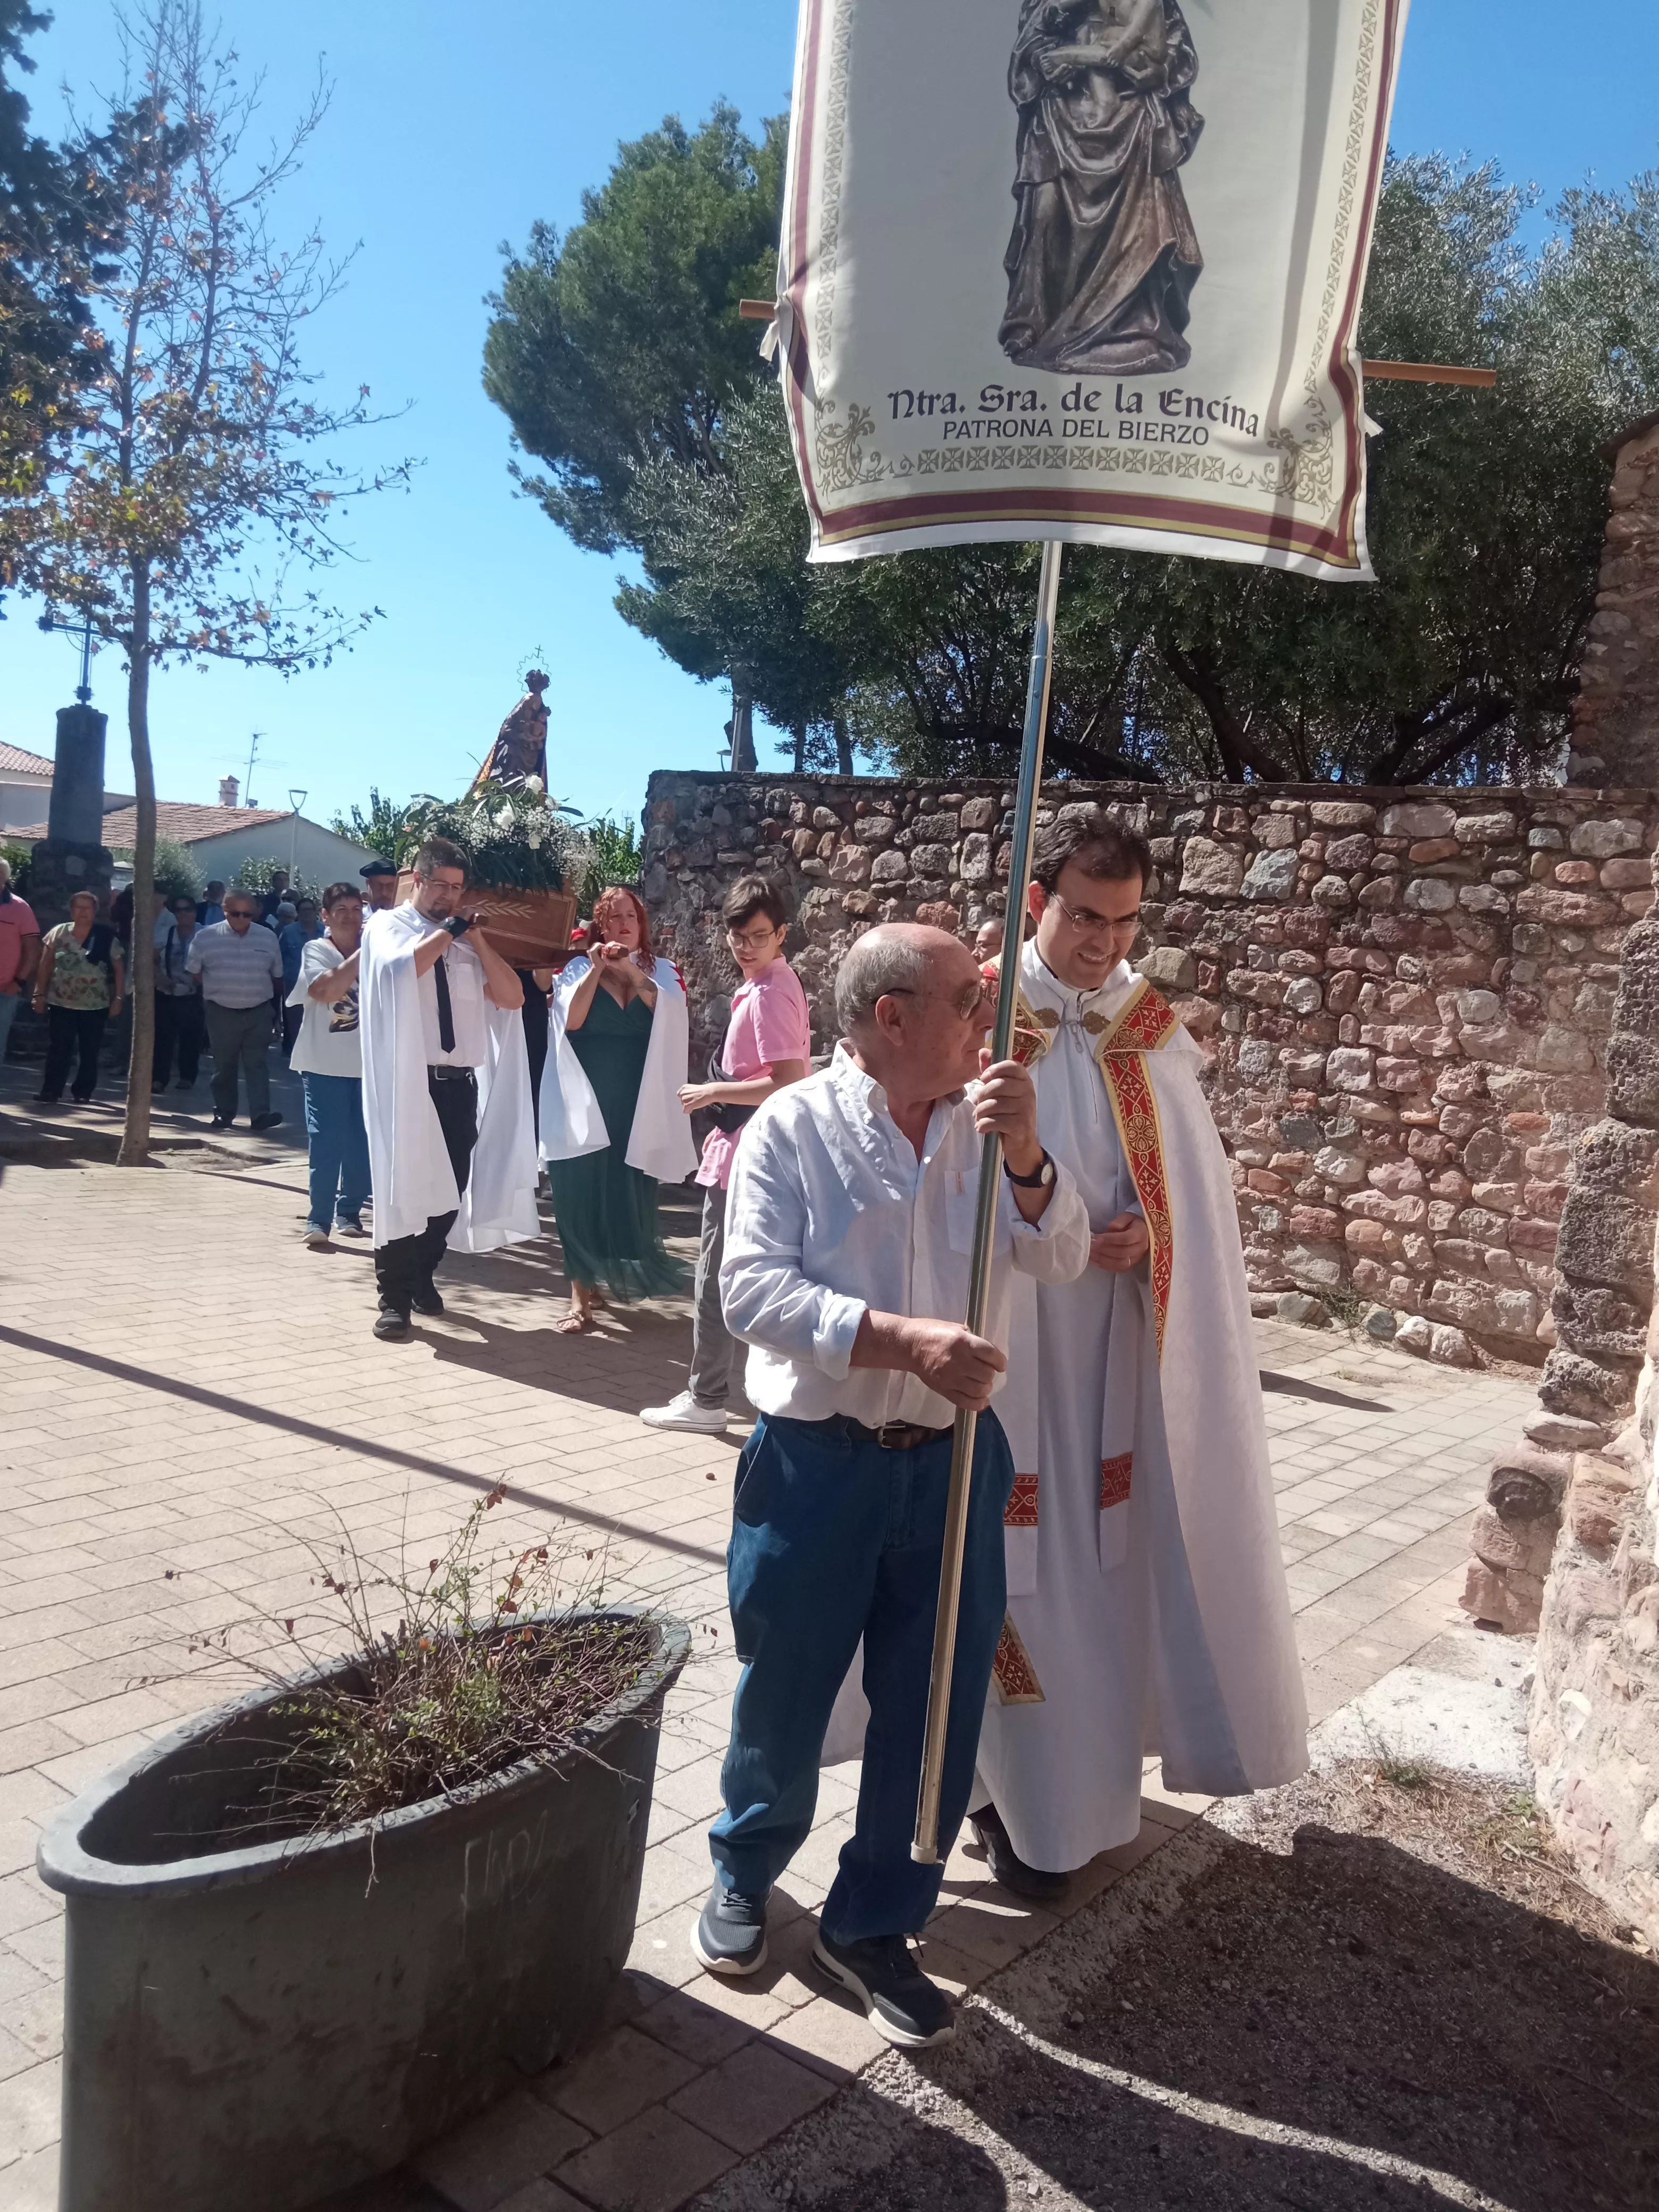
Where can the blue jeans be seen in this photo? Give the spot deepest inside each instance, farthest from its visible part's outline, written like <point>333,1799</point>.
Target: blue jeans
<point>338,1144</point>
<point>832,1540</point>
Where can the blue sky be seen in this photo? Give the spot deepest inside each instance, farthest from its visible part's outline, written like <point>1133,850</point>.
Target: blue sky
<point>452,130</point>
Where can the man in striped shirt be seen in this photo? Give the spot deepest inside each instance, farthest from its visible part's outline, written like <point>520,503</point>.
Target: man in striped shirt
<point>240,972</point>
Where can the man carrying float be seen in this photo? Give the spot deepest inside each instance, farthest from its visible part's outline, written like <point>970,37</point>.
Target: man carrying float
<point>1147,1610</point>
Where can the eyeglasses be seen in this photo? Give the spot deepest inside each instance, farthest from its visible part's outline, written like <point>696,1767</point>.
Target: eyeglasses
<point>965,1006</point>
<point>1095,925</point>
<point>752,940</point>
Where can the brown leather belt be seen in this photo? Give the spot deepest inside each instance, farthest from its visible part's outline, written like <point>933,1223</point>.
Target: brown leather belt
<point>892,1436</point>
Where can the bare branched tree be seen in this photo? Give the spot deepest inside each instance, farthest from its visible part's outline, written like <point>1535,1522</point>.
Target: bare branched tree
<point>198,500</point>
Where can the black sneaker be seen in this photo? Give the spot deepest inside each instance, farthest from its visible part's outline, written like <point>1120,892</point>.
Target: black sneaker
<point>392,1326</point>
<point>221,1122</point>
<point>1005,1863</point>
<point>881,1973</point>
<point>729,1935</point>
<point>265,1120</point>
<point>426,1300</point>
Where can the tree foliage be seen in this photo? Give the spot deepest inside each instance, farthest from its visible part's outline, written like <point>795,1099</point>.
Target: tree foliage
<point>620,342</point>
<point>57,225</point>
<point>385,828</point>
<point>196,496</point>
<point>613,856</point>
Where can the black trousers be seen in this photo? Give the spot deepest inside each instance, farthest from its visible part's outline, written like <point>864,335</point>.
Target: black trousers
<point>181,1032</point>
<point>405,1265</point>
<point>69,1030</point>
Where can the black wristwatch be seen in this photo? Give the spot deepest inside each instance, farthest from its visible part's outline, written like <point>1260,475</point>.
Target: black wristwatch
<point>458,924</point>
<point>1041,1181</point>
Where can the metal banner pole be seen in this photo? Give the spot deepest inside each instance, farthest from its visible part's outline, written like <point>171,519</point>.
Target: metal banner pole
<point>923,1846</point>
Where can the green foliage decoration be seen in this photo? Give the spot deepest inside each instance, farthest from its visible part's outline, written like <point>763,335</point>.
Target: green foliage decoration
<point>384,828</point>
<point>514,839</point>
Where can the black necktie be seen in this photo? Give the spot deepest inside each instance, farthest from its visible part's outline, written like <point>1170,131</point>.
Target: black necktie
<point>445,1019</point>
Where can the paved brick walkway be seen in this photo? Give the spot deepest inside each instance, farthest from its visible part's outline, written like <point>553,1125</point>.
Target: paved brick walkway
<point>185,1393</point>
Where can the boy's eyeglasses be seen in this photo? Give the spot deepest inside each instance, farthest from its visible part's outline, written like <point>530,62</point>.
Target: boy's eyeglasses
<point>752,940</point>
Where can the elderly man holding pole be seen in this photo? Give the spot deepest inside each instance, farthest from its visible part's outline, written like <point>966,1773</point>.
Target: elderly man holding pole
<point>849,1230</point>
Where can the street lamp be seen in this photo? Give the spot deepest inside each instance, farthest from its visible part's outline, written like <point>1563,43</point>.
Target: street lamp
<point>297,800</point>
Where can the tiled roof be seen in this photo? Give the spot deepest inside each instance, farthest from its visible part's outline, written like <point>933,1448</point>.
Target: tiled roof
<point>15,761</point>
<point>185,824</point>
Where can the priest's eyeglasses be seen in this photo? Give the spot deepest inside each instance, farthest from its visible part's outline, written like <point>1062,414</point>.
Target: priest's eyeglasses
<point>1089,924</point>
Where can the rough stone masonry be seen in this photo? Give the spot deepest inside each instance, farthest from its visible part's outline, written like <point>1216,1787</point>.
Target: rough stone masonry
<point>1591,1451</point>
<point>1406,996</point>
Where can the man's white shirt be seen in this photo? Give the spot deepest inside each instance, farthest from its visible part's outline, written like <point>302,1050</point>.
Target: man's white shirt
<point>830,1214</point>
<point>465,971</point>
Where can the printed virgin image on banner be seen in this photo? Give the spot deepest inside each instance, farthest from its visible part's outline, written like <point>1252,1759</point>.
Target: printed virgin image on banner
<point>1084,269</point>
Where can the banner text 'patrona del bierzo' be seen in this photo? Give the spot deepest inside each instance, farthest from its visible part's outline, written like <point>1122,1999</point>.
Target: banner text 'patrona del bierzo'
<point>1084,269</point>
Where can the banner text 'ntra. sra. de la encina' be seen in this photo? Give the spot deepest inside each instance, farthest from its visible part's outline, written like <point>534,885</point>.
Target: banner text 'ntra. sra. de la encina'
<point>1126,413</point>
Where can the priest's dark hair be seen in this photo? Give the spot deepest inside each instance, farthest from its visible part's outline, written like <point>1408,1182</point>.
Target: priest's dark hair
<point>439,853</point>
<point>750,896</point>
<point>1101,848</point>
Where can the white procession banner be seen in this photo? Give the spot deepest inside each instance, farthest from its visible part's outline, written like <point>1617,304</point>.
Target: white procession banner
<point>1085,270</point>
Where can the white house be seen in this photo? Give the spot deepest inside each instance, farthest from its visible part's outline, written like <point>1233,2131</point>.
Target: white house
<point>26,792</point>
<point>219,838</point>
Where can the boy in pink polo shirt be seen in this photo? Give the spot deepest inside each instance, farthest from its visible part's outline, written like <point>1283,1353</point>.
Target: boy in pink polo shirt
<point>768,1043</point>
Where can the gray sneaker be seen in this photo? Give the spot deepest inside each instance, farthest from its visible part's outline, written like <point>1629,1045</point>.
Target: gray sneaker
<point>729,1935</point>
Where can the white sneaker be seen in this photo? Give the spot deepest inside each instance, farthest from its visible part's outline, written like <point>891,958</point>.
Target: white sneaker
<point>684,1413</point>
<point>317,1241</point>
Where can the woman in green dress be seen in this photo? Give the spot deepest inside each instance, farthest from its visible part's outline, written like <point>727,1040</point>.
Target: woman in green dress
<point>612,1125</point>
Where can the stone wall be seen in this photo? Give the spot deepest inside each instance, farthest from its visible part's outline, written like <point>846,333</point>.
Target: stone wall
<point>1615,736</point>
<point>1405,996</point>
<point>1595,1697</point>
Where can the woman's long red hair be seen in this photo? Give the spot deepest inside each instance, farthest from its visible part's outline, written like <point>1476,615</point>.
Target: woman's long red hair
<point>595,935</point>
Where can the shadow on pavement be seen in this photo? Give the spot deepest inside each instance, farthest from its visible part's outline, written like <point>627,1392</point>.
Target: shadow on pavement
<point>1293,1386</point>
<point>1342,2025</point>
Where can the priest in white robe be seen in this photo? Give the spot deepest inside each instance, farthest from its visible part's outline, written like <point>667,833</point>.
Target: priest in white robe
<point>451,1143</point>
<point>1147,1609</point>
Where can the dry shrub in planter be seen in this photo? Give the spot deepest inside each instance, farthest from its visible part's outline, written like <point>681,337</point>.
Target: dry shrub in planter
<point>312,1931</point>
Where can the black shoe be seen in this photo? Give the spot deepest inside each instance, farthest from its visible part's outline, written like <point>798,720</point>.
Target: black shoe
<point>1005,1863</point>
<point>426,1300</point>
<point>48,1098</point>
<point>265,1120</point>
<point>730,1934</point>
<point>881,1973</point>
<point>221,1122</point>
<point>392,1326</point>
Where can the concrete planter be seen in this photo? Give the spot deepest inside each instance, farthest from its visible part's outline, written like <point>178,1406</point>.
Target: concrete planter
<point>258,2027</point>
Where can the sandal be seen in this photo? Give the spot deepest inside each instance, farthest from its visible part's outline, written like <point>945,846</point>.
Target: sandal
<point>577,1322</point>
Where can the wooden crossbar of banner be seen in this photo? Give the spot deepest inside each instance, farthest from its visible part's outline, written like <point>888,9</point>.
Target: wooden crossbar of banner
<point>1397,371</point>
<point>1427,372</point>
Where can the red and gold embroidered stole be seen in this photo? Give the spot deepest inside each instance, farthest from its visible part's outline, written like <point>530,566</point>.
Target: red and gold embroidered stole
<point>1146,1022</point>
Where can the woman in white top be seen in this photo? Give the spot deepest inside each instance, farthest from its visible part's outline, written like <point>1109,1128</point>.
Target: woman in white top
<point>328,1058</point>
<point>611,1123</point>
